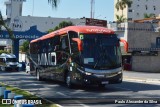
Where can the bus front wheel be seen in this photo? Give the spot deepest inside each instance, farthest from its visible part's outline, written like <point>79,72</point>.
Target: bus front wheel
<point>68,81</point>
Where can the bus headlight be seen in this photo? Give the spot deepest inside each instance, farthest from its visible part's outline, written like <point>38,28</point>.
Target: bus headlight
<point>88,73</point>
<point>120,72</point>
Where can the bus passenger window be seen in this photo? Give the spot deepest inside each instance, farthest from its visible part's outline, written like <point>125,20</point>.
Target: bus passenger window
<point>53,58</point>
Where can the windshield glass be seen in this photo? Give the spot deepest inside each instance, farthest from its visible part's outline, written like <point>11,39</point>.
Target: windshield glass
<point>11,60</point>
<point>100,51</point>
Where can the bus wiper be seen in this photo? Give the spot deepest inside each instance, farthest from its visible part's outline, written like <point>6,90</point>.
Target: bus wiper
<point>108,56</point>
<point>98,60</point>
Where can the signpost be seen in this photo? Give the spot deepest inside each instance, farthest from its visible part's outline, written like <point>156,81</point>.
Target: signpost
<point>96,22</point>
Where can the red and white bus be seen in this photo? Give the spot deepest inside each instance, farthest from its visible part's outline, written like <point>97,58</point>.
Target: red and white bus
<point>78,55</point>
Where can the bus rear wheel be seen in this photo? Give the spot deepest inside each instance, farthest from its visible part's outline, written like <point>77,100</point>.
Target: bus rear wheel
<point>68,81</point>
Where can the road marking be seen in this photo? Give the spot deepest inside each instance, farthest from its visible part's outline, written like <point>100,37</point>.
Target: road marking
<point>61,93</point>
<point>80,103</point>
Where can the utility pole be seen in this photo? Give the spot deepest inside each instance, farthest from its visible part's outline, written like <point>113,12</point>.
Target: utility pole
<point>92,8</point>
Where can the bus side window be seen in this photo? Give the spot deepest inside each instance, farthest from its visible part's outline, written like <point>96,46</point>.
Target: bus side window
<point>73,43</point>
<point>65,43</point>
<point>56,43</point>
<point>53,58</point>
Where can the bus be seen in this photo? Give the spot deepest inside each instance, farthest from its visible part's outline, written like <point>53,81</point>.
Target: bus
<point>78,55</point>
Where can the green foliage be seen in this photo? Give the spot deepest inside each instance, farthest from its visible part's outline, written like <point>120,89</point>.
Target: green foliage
<point>54,3</point>
<point>10,33</point>
<point>61,25</point>
<point>149,15</point>
<point>2,23</point>
<point>122,4</point>
<point>2,51</point>
<point>120,19</point>
<point>24,47</point>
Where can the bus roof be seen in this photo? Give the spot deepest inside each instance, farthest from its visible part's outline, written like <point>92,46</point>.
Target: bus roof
<point>78,29</point>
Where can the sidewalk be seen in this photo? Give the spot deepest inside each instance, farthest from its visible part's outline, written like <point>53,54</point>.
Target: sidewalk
<point>143,77</point>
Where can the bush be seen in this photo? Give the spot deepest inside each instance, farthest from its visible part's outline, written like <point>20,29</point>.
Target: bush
<point>2,51</point>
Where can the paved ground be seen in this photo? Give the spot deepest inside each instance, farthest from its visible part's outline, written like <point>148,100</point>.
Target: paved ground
<point>142,77</point>
<point>90,96</point>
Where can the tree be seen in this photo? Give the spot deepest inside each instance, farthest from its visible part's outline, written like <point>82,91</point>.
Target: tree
<point>120,19</point>
<point>61,25</point>
<point>122,4</point>
<point>54,3</point>
<point>10,33</point>
<point>25,47</point>
<point>152,15</point>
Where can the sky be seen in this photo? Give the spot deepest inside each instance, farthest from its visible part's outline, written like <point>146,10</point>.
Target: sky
<point>67,8</point>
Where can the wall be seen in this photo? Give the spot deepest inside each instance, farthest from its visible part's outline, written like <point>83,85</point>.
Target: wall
<point>142,37</point>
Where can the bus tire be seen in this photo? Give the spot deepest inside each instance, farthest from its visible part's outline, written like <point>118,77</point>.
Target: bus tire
<point>39,78</point>
<point>68,80</point>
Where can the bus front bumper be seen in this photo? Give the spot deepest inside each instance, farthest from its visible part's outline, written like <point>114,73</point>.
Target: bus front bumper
<point>97,78</point>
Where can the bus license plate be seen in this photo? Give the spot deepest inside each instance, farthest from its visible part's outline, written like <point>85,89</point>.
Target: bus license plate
<point>105,82</point>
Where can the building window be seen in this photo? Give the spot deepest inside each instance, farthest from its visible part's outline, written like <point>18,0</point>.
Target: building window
<point>137,14</point>
<point>130,10</point>
<point>129,19</point>
<point>154,7</point>
<point>146,7</point>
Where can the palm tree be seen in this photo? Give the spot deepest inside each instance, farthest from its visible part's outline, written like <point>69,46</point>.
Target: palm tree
<point>120,19</point>
<point>152,15</point>
<point>122,4</point>
<point>10,33</point>
<point>54,3</point>
<point>2,24</point>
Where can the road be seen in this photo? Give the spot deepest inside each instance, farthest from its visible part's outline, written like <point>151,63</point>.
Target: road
<point>86,96</point>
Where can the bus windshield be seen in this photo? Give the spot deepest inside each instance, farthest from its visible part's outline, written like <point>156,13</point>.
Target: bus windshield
<point>100,51</point>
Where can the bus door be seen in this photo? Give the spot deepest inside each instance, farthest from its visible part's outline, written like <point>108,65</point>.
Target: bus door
<point>74,59</point>
<point>62,57</point>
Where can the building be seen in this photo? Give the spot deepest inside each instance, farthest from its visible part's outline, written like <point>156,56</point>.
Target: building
<point>17,22</point>
<point>138,9</point>
<point>143,37</point>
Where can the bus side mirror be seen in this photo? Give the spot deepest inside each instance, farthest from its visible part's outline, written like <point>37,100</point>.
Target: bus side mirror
<point>78,42</point>
<point>125,44</point>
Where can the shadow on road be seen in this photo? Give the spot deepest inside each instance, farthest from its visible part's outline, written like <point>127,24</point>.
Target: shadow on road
<point>52,89</point>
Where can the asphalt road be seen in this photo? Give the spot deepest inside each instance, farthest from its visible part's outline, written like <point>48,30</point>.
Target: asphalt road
<point>90,96</point>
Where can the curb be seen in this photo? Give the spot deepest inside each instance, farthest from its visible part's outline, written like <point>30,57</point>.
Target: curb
<point>143,80</point>
<point>35,95</point>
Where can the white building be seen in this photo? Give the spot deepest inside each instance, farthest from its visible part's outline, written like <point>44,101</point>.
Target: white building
<point>138,9</point>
